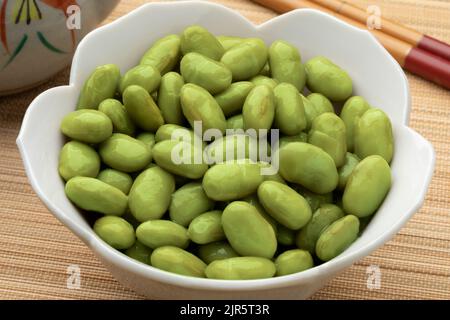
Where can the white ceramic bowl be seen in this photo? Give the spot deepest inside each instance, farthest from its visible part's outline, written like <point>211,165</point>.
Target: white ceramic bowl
<point>376,76</point>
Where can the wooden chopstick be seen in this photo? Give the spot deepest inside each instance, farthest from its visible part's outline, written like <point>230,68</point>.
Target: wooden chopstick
<point>394,29</point>
<point>416,60</point>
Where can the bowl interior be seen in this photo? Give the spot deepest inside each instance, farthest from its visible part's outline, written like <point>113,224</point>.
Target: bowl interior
<point>123,43</point>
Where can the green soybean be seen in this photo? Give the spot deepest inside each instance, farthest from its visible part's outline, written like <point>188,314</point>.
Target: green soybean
<point>148,138</point>
<point>216,251</point>
<point>89,126</point>
<point>285,64</point>
<point>236,122</point>
<point>351,161</point>
<point>118,116</point>
<point>260,80</point>
<point>325,215</point>
<point>174,132</point>
<point>241,268</point>
<point>78,159</point>
<point>198,39</point>
<point>206,228</point>
<point>188,202</point>
<point>301,137</point>
<point>310,112</point>
<point>178,261</point>
<point>290,115</point>
<point>254,201</point>
<point>265,70</point>
<point>259,108</point>
<point>232,147</point>
<point>91,194</point>
<point>179,157</point>
<point>145,76</point>
<point>321,103</point>
<point>169,98</point>
<point>115,178</point>
<point>115,231</point>
<point>164,54</point>
<point>328,133</point>
<point>199,105</point>
<point>232,99</point>
<point>142,109</point>
<point>205,72</point>
<point>367,186</point>
<point>101,84</point>
<point>293,261</point>
<point>150,194</point>
<point>247,231</point>
<point>285,205</point>
<point>373,135</point>
<point>159,233</point>
<point>314,200</point>
<point>232,180</point>
<point>309,166</point>
<point>325,77</point>
<point>228,42</point>
<point>351,112</point>
<point>247,59</point>
<point>140,252</point>
<point>285,236</point>
<point>337,237</point>
<point>124,153</point>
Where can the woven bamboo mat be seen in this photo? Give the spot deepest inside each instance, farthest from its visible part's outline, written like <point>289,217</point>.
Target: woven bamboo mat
<point>36,250</point>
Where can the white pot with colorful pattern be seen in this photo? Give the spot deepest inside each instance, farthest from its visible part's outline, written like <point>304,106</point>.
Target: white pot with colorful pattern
<point>38,37</point>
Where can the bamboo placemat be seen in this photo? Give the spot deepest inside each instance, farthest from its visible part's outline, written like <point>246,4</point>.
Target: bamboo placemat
<point>36,250</point>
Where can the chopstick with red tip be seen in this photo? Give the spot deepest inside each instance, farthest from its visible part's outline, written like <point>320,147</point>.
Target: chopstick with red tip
<point>415,59</point>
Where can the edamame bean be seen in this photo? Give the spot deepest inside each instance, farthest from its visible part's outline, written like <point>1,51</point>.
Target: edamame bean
<point>150,194</point>
<point>169,98</point>
<point>373,135</point>
<point>260,80</point>
<point>178,261</point>
<point>140,252</point>
<point>309,166</point>
<point>124,153</point>
<point>241,268</point>
<point>101,84</point>
<point>321,103</point>
<point>206,228</point>
<point>89,126</point>
<point>247,59</point>
<point>284,204</point>
<point>293,261</point>
<point>236,122</point>
<point>285,64</point>
<point>115,231</point>
<point>351,161</point>
<point>189,202</point>
<point>289,111</point>
<point>78,159</point>
<point>143,75</point>
<point>310,112</point>
<point>232,180</point>
<point>166,132</point>
<point>328,133</point>
<point>228,42</point>
<point>216,251</point>
<point>142,109</point>
<point>91,194</point>
<point>314,200</point>
<point>351,112</point>
<point>115,178</point>
<point>198,39</point>
<point>337,237</point>
<point>285,236</point>
<point>205,72</point>
<point>232,99</point>
<point>259,108</point>
<point>273,177</point>
<point>325,215</point>
<point>148,138</point>
<point>179,157</point>
<point>265,70</point>
<point>164,54</point>
<point>254,201</point>
<point>325,77</point>
<point>247,231</point>
<point>199,105</point>
<point>232,147</point>
<point>301,137</point>
<point>367,186</point>
<point>159,233</point>
<point>118,116</point>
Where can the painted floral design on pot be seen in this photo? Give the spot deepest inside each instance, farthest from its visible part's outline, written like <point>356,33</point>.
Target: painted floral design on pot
<point>38,37</point>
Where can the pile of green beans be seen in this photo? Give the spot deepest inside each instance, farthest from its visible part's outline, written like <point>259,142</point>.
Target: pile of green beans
<point>225,220</point>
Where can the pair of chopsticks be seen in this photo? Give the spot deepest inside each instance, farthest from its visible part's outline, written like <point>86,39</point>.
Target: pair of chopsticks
<point>414,51</point>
